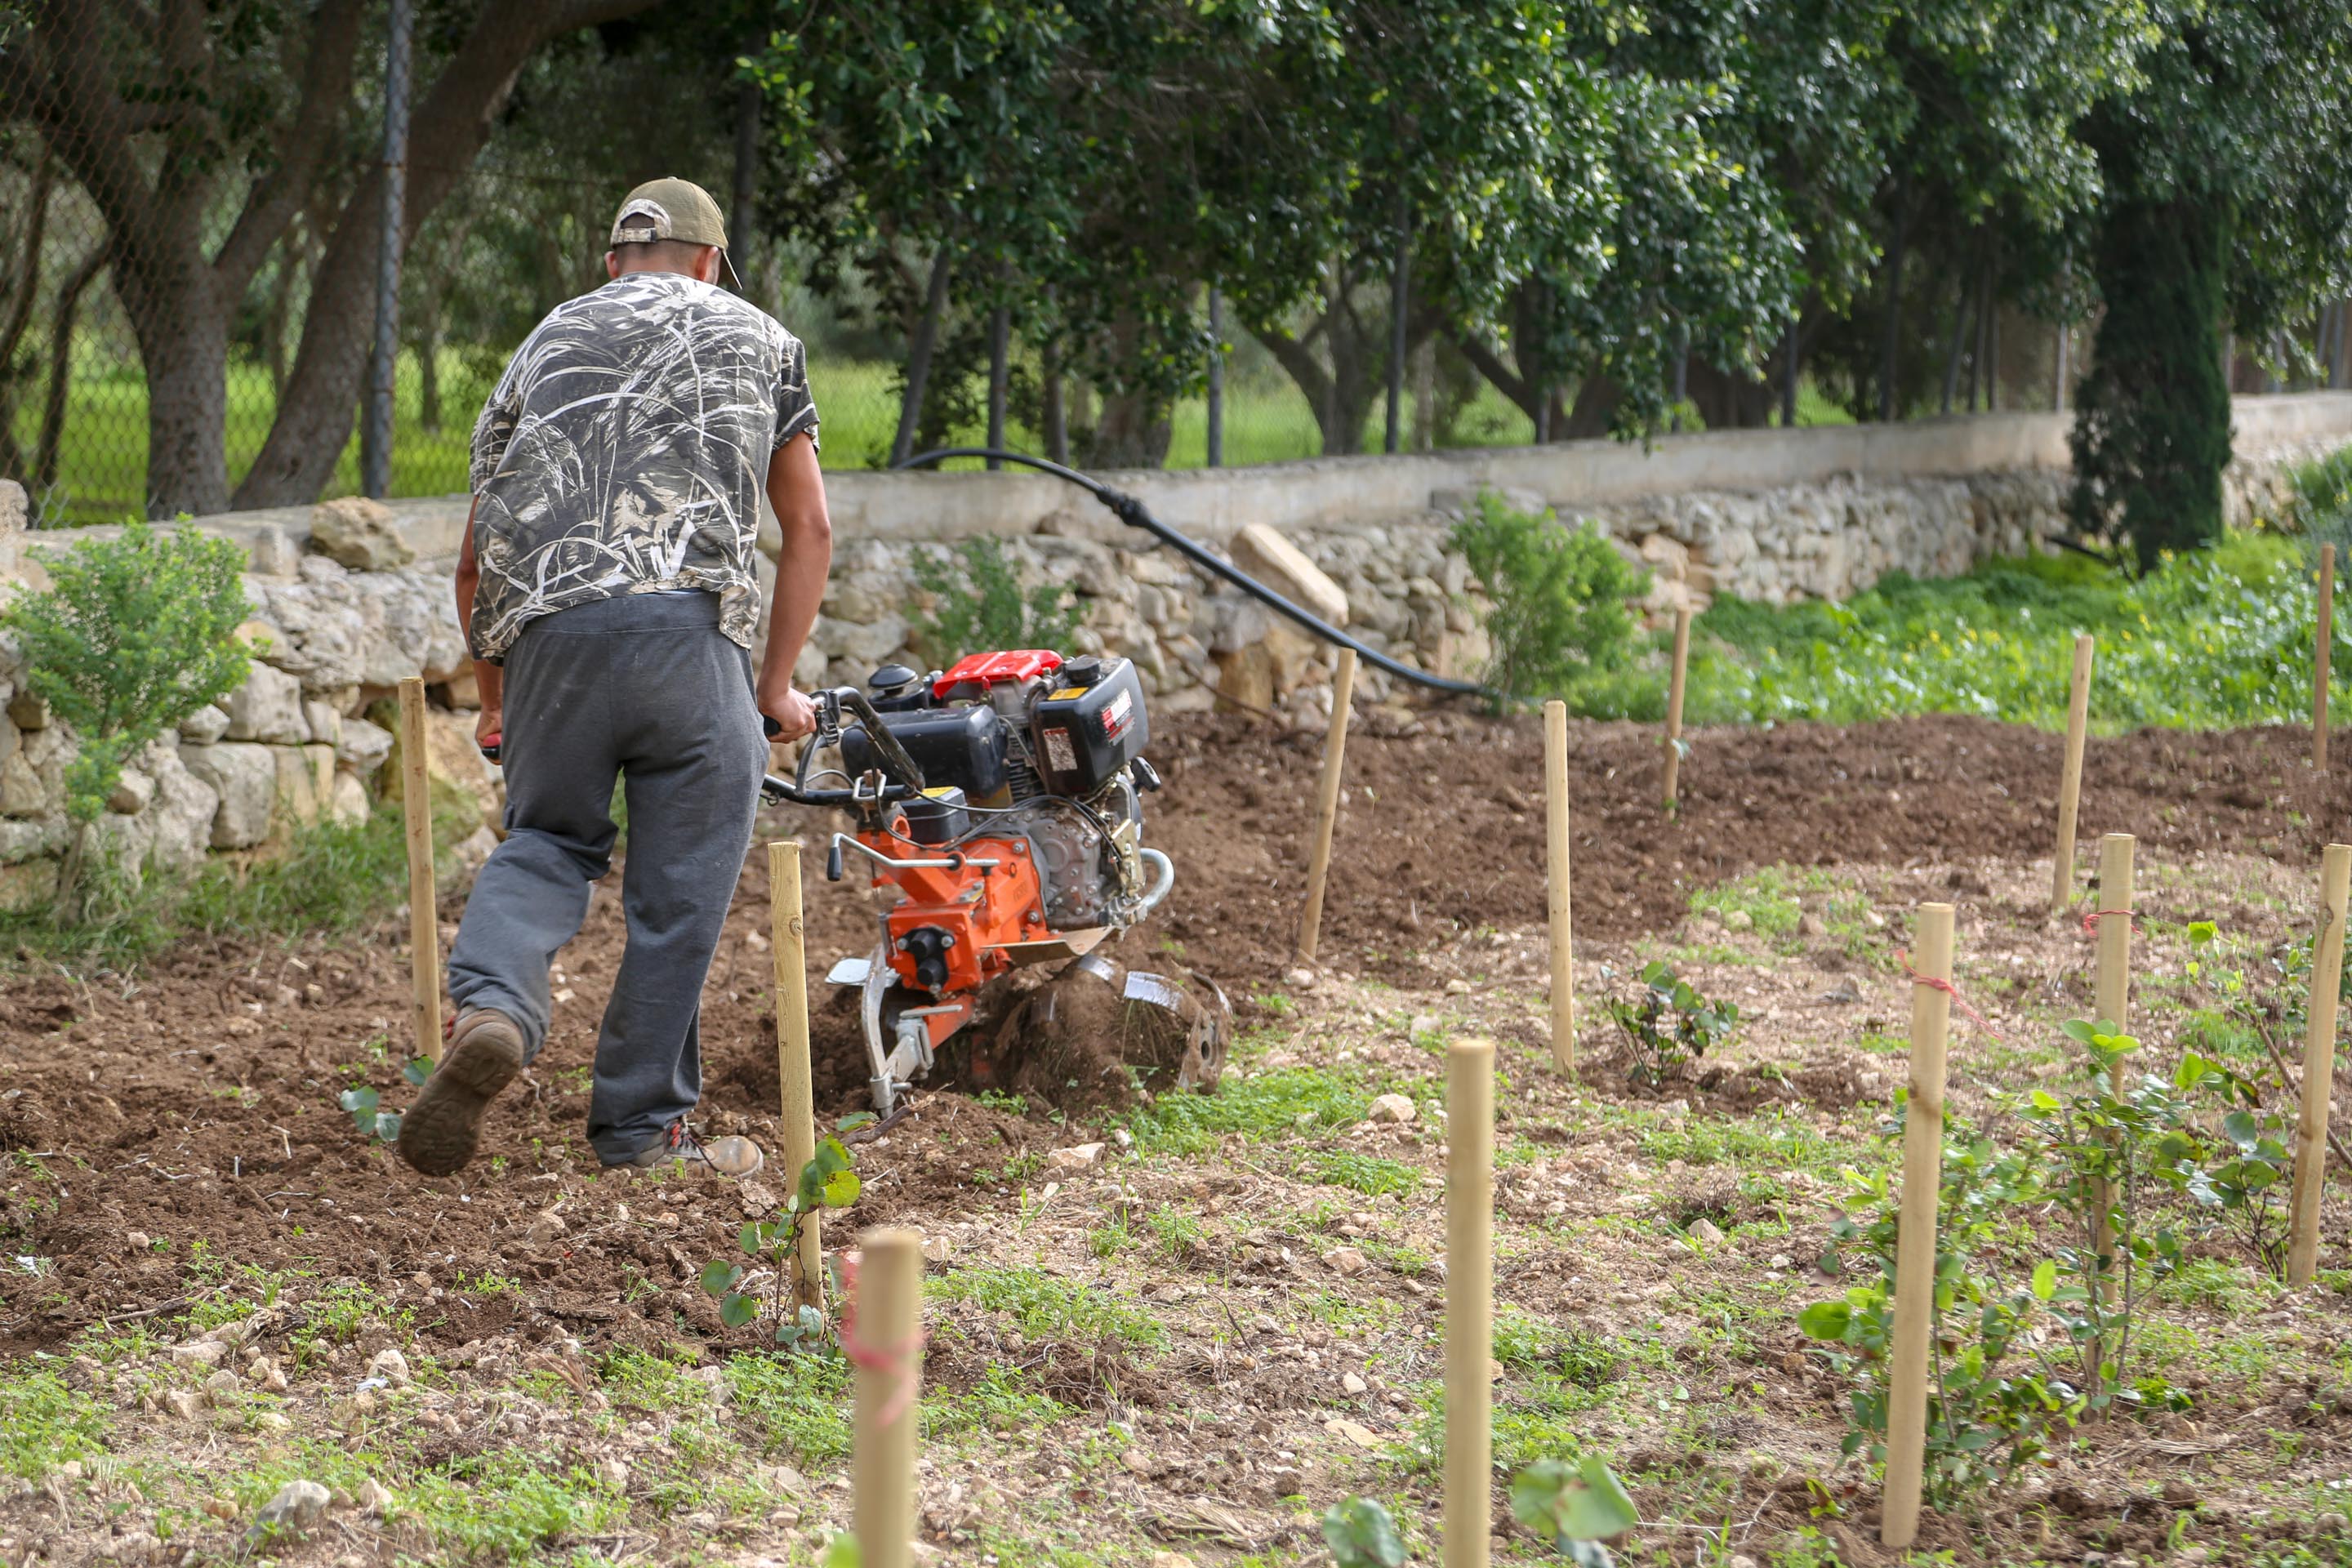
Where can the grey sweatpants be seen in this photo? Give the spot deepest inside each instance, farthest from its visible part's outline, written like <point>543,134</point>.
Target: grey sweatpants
<point>647,688</point>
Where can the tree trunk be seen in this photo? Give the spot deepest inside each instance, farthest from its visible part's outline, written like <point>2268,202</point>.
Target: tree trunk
<point>920,349</point>
<point>449,126</point>
<point>182,325</point>
<point>428,364</point>
<point>1960,318</point>
<point>1891,329</point>
<point>61,330</point>
<point>1726,401</point>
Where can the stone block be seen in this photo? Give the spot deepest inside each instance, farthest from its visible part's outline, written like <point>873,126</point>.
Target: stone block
<point>362,746</point>
<point>244,775</point>
<point>182,812</point>
<point>1285,568</point>
<point>1245,679</point>
<point>204,726</point>
<point>357,533</point>
<point>349,804</point>
<point>273,554</point>
<point>305,782</point>
<point>267,707</point>
<point>22,792</point>
<point>131,792</point>
<point>323,721</point>
<point>28,711</point>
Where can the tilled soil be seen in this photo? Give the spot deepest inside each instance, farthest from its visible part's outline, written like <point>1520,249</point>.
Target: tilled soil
<point>195,1106</point>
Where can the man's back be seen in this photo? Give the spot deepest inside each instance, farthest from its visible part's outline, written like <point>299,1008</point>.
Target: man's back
<point>623,452</point>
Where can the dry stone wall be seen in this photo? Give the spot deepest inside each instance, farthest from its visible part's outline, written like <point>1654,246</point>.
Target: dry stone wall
<point>349,597</point>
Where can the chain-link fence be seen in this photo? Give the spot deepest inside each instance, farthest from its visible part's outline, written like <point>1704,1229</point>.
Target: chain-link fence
<point>188,283</point>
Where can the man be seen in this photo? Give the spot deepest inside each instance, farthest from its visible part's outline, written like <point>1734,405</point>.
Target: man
<point>607,587</point>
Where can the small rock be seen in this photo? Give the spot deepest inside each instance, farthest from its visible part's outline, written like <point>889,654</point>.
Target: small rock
<point>268,1374</point>
<point>222,1385</point>
<point>374,1497</point>
<point>1425,1023</point>
<point>136,1241</point>
<point>390,1366</point>
<point>1738,920</point>
<point>199,1353</point>
<point>1350,1384</point>
<point>1396,1108</point>
<point>1346,1260</point>
<point>1300,979</point>
<point>291,1514</point>
<point>272,1421</point>
<point>1077,1157</point>
<point>1705,1232</point>
<point>1810,926</point>
<point>1741,1559</point>
<point>1170,1560</point>
<point>220,1508</point>
<point>1458,986</point>
<point>1137,1462</point>
<point>1264,1323</point>
<point>937,1249</point>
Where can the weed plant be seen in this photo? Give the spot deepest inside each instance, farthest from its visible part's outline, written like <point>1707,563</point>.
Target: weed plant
<point>2216,639</point>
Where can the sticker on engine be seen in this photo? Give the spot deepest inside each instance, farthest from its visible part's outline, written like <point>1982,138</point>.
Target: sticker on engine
<point>1060,755</point>
<point>1066,693</point>
<point>1115,715</point>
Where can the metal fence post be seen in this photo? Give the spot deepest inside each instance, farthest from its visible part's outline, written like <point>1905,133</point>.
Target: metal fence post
<point>1397,303</point>
<point>376,438</point>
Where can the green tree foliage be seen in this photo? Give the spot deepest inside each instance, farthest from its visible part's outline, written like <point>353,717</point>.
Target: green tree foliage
<point>133,635</point>
<point>2223,212</point>
<point>2153,435</point>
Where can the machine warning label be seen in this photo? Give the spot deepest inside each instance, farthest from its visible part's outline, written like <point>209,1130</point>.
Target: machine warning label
<point>1060,755</point>
<point>1115,715</point>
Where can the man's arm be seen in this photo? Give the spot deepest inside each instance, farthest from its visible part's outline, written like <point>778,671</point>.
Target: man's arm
<point>487,677</point>
<point>796,489</point>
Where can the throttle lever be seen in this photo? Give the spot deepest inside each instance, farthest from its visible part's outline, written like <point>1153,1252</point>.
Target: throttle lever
<point>833,861</point>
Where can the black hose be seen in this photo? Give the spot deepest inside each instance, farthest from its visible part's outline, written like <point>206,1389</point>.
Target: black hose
<point>1131,511</point>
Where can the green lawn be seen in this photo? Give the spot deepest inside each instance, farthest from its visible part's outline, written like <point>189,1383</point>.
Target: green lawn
<point>102,457</point>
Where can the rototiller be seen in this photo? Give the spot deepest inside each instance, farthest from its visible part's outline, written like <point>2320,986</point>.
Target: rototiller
<point>1002,798</point>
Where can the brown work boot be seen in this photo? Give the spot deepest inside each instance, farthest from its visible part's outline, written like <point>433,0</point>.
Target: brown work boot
<point>737,1157</point>
<point>485,1052</point>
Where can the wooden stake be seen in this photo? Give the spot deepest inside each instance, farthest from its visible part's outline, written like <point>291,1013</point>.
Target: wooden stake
<point>797,1112</point>
<point>1563,968</point>
<point>423,919</point>
<point>2070,779</point>
<point>2113,999</point>
<point>1915,1238</point>
<point>1327,814</point>
<point>2318,1068</point>
<point>2113,990</point>
<point>886,1345</point>
<point>1469,1298</point>
<point>2322,656</point>
<point>1675,704</point>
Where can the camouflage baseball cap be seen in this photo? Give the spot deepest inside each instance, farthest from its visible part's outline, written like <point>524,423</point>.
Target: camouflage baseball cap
<point>669,209</point>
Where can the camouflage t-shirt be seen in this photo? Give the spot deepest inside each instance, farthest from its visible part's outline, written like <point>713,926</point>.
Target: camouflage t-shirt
<point>624,451</point>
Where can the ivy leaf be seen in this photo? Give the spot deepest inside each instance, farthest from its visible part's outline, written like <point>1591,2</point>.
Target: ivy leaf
<point>359,1101</point>
<point>387,1126</point>
<point>1362,1535</point>
<point>735,1310</point>
<point>818,1178</point>
<point>856,1120</point>
<point>418,1070</point>
<point>841,1189</point>
<point>718,1277</point>
<point>2045,1279</point>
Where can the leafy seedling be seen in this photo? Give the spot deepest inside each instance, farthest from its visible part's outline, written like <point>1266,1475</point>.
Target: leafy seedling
<point>1362,1535</point>
<point>1576,1508</point>
<point>826,1182</point>
<point>383,1125</point>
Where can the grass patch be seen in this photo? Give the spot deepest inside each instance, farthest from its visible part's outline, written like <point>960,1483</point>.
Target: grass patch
<point>1004,1400</point>
<point>2213,640</point>
<point>798,1404</point>
<point>328,878</point>
<point>1366,1174</point>
<point>1285,1103</point>
<point>44,1423</point>
<point>1050,1309</point>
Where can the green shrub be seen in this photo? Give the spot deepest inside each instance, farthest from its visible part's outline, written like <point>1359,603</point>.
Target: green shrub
<point>2322,507</point>
<point>1560,623</point>
<point>135,633</point>
<point>979,604</point>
